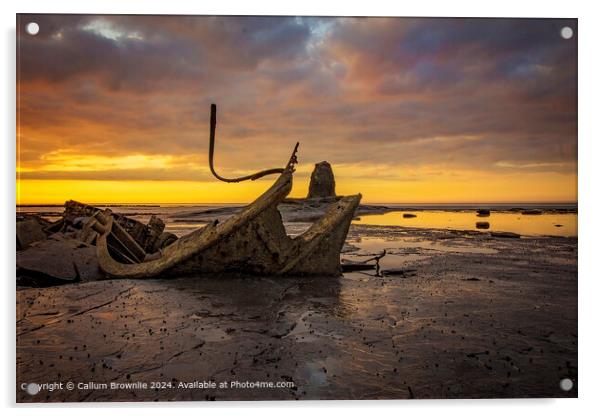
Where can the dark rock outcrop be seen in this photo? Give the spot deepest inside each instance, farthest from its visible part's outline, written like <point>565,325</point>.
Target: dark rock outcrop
<point>29,230</point>
<point>57,260</point>
<point>322,182</point>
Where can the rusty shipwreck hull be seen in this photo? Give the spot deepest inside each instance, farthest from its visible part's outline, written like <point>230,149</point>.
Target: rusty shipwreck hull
<point>251,242</point>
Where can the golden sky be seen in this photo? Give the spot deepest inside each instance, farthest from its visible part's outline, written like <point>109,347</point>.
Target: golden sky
<point>116,108</point>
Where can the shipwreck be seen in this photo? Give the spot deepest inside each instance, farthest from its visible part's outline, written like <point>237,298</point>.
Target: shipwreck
<point>252,241</point>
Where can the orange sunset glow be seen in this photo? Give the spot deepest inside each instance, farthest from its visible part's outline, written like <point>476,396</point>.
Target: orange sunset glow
<point>115,109</point>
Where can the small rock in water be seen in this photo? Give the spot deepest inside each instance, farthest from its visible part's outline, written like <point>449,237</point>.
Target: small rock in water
<point>482,225</point>
<point>483,212</point>
<point>406,215</point>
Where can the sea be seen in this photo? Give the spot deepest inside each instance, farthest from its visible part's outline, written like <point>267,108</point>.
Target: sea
<point>554,219</point>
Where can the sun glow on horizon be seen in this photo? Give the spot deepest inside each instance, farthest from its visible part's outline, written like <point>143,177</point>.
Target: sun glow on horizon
<point>508,189</point>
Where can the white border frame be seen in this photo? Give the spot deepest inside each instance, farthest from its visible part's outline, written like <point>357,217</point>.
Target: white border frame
<point>590,137</point>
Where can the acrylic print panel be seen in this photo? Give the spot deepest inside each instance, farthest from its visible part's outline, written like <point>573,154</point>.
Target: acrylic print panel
<point>174,242</point>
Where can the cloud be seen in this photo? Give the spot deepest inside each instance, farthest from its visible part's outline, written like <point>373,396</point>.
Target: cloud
<point>455,94</point>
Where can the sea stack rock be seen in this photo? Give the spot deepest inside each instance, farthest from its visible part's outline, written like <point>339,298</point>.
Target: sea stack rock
<point>322,181</point>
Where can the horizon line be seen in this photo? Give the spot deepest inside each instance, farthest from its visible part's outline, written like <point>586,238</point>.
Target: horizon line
<point>368,202</point>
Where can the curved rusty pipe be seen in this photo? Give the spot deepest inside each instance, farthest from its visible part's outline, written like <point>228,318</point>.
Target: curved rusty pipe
<point>252,177</point>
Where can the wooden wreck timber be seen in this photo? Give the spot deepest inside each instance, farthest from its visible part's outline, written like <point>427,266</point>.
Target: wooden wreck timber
<point>253,241</point>
<point>133,239</point>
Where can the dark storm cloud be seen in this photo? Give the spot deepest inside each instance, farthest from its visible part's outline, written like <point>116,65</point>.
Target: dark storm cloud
<point>140,52</point>
<point>488,94</point>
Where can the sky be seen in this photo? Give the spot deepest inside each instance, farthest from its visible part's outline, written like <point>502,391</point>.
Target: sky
<point>410,110</point>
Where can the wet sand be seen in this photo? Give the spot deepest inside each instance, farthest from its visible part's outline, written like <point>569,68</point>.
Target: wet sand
<point>473,316</point>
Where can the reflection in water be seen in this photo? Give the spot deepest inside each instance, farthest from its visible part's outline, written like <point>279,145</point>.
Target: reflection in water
<point>544,224</point>
<point>548,223</point>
